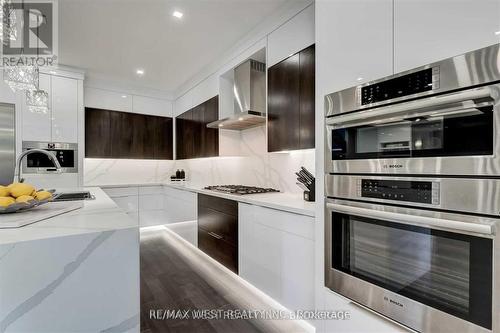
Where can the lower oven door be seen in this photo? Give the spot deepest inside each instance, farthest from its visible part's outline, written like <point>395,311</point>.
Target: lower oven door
<point>420,271</point>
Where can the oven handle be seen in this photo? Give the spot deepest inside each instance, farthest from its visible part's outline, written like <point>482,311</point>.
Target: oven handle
<point>454,103</point>
<point>414,219</point>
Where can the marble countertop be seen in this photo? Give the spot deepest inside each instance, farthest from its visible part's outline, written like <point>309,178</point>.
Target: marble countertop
<point>293,203</point>
<point>290,202</point>
<point>97,215</point>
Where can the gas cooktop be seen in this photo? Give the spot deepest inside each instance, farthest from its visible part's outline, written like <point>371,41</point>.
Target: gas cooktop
<point>240,189</point>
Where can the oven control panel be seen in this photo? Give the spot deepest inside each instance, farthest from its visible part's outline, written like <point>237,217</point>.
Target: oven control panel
<point>405,85</point>
<point>400,190</point>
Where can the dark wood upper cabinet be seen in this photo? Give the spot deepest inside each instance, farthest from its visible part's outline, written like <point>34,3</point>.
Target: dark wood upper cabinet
<point>97,125</point>
<point>113,134</point>
<point>291,106</point>
<point>163,149</point>
<point>307,97</point>
<point>283,105</point>
<point>193,138</point>
<point>210,137</point>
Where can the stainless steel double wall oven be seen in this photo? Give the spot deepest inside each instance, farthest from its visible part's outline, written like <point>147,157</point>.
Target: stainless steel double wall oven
<point>413,194</point>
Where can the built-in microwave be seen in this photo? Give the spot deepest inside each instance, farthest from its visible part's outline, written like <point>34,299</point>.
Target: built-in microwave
<point>66,154</point>
<point>442,118</point>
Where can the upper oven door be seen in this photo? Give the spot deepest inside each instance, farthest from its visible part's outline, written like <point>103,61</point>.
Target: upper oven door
<point>431,273</point>
<point>450,134</point>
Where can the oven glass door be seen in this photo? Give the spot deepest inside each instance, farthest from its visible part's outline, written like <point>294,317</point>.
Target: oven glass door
<point>447,271</point>
<point>66,158</point>
<point>464,134</point>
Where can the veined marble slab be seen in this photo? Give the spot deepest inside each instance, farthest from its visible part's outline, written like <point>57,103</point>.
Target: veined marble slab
<point>40,213</point>
<point>76,272</point>
<point>95,216</point>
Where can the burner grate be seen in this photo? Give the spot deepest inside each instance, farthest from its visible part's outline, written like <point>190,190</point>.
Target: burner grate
<point>240,189</point>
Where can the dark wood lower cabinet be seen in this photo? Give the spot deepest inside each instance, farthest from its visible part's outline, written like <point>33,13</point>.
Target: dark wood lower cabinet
<point>218,229</point>
<point>114,134</point>
<point>220,250</point>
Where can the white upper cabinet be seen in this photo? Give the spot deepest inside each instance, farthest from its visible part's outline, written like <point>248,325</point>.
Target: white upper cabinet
<point>38,126</point>
<point>60,123</point>
<point>293,36</point>
<point>354,43</point>
<point>64,109</point>
<point>152,106</point>
<point>108,100</point>
<point>430,30</point>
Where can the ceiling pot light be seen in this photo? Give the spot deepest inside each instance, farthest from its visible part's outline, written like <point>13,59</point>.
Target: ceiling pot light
<point>177,14</point>
<point>124,96</point>
<point>140,72</point>
<point>497,32</point>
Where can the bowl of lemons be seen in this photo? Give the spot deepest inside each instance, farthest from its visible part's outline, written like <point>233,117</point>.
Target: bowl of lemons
<point>18,197</point>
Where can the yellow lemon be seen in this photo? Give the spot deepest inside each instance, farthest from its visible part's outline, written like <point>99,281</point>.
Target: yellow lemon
<point>6,201</point>
<point>19,189</point>
<point>43,195</point>
<point>24,198</point>
<point>4,191</point>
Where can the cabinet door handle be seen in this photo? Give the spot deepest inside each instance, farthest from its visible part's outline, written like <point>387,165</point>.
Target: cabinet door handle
<point>213,234</point>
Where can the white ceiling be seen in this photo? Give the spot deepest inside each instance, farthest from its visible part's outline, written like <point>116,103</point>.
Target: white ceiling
<point>110,39</point>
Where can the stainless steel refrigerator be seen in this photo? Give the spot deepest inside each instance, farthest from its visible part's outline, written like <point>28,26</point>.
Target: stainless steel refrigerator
<point>7,143</point>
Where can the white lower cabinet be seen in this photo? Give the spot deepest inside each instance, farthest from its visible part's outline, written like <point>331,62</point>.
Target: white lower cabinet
<point>180,205</point>
<point>151,209</point>
<point>159,205</point>
<point>276,254</point>
<point>126,198</point>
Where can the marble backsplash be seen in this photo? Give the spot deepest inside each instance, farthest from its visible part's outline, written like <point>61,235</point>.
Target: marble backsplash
<point>254,166</point>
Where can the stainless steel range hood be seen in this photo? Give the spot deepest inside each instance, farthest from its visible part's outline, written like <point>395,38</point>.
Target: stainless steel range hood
<point>249,98</point>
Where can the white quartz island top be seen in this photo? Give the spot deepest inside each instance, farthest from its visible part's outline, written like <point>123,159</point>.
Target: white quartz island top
<point>96,215</point>
<point>76,272</point>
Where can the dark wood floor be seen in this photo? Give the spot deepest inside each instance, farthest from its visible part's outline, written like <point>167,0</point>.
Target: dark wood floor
<point>168,281</point>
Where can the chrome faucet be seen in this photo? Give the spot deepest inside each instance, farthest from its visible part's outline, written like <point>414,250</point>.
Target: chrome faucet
<point>17,171</point>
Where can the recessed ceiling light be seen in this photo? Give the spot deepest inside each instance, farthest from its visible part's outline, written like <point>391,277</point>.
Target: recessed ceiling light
<point>140,71</point>
<point>177,14</point>
<point>359,79</point>
<point>497,32</point>
<point>124,96</point>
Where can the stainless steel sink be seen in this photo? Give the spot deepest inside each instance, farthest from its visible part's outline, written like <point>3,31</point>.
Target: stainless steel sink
<point>73,196</point>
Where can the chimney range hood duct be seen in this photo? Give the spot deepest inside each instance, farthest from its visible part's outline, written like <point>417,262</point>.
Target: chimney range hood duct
<point>249,98</point>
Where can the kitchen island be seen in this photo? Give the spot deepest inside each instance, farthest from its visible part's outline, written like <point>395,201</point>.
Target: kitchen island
<point>76,272</point>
